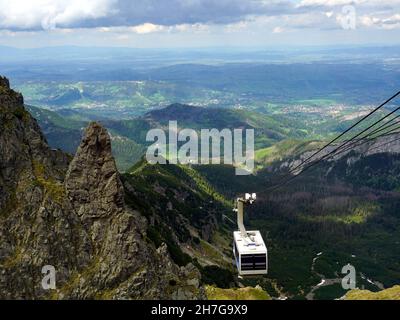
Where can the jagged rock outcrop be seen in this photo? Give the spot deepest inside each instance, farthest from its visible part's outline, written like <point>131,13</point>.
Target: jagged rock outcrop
<point>93,167</point>
<point>72,215</point>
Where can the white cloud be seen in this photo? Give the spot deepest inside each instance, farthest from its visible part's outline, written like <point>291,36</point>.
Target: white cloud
<point>278,30</point>
<point>329,14</point>
<point>368,21</point>
<point>325,3</point>
<point>388,23</point>
<point>48,14</point>
<point>237,27</point>
<point>335,3</point>
<point>147,28</point>
<point>135,21</point>
<point>395,19</point>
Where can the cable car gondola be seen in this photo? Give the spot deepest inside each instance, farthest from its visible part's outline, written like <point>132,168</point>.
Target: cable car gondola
<point>249,250</point>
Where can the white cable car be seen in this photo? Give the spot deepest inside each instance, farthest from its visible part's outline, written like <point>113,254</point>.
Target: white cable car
<point>249,250</point>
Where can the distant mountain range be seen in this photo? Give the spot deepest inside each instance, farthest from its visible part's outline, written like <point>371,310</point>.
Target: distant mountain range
<point>67,53</point>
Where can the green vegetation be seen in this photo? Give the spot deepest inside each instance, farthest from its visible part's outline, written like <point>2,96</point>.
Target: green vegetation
<point>331,292</point>
<point>348,212</point>
<point>161,234</point>
<point>204,186</point>
<point>388,294</point>
<point>211,252</point>
<point>316,102</point>
<point>268,129</point>
<point>55,189</point>
<point>189,193</point>
<point>319,213</point>
<point>284,149</point>
<point>65,133</point>
<point>357,215</point>
<point>316,213</point>
<point>21,113</point>
<point>126,151</point>
<point>9,206</point>
<point>13,259</point>
<point>378,171</point>
<point>45,115</point>
<point>214,275</point>
<point>248,293</point>
<point>184,203</point>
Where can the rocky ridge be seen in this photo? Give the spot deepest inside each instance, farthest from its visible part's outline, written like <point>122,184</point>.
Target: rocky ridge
<point>389,144</point>
<point>71,214</point>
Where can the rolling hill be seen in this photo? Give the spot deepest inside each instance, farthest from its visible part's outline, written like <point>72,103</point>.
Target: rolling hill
<point>129,136</point>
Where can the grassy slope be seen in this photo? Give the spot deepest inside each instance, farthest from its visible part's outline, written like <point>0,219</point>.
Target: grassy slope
<point>268,130</point>
<point>247,293</point>
<point>51,117</point>
<point>388,294</point>
<point>181,202</point>
<point>284,149</point>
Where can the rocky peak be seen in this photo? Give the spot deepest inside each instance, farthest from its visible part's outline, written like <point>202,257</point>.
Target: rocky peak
<point>96,141</point>
<point>24,153</point>
<point>92,182</point>
<point>73,216</point>
<point>4,82</point>
<point>8,97</point>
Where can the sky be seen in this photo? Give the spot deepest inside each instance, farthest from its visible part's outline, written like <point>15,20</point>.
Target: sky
<point>199,23</point>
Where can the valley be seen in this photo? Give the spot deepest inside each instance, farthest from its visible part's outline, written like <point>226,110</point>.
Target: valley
<point>344,211</point>
<point>345,217</point>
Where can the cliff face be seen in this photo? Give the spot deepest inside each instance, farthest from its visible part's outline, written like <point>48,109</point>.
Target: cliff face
<point>71,214</point>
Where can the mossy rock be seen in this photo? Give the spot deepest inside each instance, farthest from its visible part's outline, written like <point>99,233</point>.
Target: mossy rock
<point>54,188</point>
